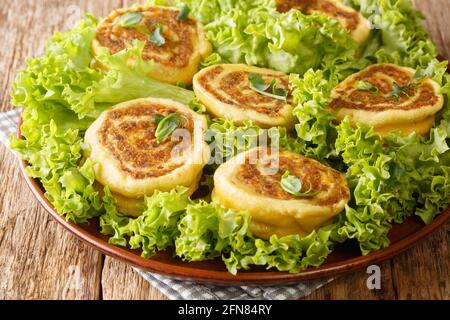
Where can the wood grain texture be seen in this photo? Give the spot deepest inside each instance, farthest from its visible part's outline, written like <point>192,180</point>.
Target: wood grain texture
<point>420,273</point>
<point>120,282</point>
<point>354,286</point>
<point>40,260</point>
<point>424,271</point>
<point>437,13</point>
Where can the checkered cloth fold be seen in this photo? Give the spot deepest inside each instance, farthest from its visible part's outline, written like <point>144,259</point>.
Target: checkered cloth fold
<point>8,124</point>
<point>182,290</point>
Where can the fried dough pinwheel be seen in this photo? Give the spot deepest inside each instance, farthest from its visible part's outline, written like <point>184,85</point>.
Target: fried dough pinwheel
<point>240,92</point>
<point>174,45</point>
<point>262,182</point>
<point>389,98</point>
<point>350,19</point>
<point>145,145</point>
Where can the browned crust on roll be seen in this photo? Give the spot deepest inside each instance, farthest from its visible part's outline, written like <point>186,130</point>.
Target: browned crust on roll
<point>310,6</point>
<point>129,135</point>
<point>309,171</point>
<point>236,85</point>
<point>177,49</point>
<point>420,94</point>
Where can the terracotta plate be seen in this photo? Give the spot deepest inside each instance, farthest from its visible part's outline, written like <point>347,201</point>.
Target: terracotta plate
<point>345,258</point>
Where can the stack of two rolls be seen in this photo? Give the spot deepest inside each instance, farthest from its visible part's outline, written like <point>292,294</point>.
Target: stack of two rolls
<point>130,160</point>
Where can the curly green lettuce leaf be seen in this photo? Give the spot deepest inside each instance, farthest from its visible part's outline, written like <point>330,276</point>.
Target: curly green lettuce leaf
<point>170,218</point>
<point>290,253</point>
<point>197,106</point>
<point>315,127</point>
<point>202,231</point>
<point>54,84</point>
<point>54,155</point>
<point>288,42</point>
<point>366,218</point>
<point>213,59</point>
<point>211,10</point>
<point>227,139</point>
<point>157,227</point>
<point>425,161</point>
<point>311,95</point>
<point>208,231</point>
<point>112,222</point>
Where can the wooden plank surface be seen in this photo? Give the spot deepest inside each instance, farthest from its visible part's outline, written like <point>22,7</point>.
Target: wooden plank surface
<point>120,282</point>
<point>437,13</point>
<point>40,260</point>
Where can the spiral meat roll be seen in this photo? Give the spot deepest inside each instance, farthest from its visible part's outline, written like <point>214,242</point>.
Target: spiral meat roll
<point>174,46</point>
<point>355,24</point>
<point>389,98</point>
<point>252,182</point>
<point>227,92</point>
<point>130,159</point>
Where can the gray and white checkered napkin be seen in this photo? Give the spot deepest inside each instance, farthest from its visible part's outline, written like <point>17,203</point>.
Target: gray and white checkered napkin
<point>182,290</point>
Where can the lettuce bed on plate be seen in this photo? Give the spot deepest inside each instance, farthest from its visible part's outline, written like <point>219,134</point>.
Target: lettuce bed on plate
<point>390,178</point>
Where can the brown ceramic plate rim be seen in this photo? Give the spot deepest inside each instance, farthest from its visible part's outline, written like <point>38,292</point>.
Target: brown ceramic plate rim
<point>222,277</point>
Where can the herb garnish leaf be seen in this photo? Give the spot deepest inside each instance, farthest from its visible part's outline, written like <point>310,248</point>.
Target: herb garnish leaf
<point>365,86</point>
<point>280,92</point>
<point>184,12</point>
<point>293,185</point>
<point>257,84</point>
<point>398,90</point>
<point>130,19</point>
<point>157,38</point>
<point>166,126</point>
<point>158,118</point>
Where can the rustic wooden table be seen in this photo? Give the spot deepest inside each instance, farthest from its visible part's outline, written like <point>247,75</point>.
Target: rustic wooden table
<point>40,260</point>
